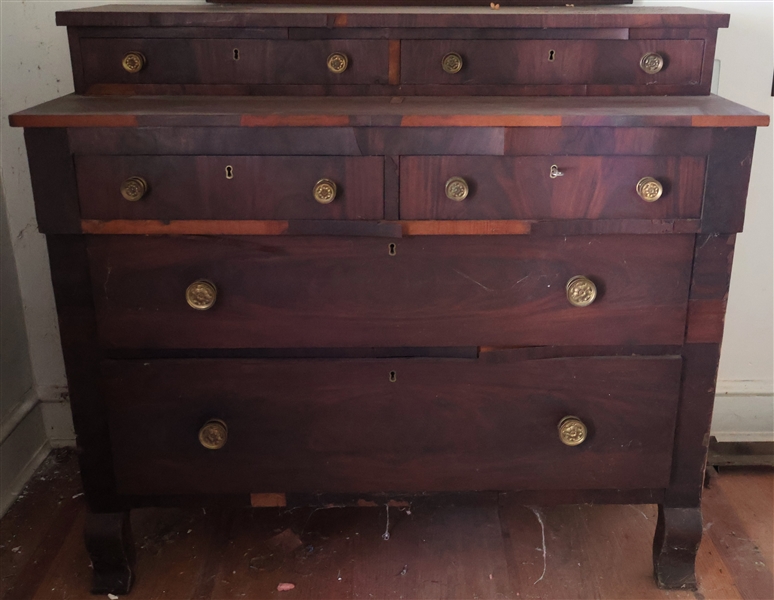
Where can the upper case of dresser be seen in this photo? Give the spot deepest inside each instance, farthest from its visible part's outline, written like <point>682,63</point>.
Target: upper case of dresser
<point>246,50</point>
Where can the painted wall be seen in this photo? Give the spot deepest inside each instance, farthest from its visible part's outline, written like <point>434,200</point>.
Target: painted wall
<point>35,68</point>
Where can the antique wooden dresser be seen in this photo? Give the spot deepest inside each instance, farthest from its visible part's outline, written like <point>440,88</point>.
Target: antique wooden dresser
<point>386,252</point>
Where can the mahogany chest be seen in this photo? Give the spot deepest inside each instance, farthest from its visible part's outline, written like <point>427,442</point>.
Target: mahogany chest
<point>385,252</point>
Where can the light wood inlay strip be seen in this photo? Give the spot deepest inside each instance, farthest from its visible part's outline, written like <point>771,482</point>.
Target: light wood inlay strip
<point>393,74</point>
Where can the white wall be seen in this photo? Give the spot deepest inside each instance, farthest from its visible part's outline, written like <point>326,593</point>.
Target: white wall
<point>35,67</point>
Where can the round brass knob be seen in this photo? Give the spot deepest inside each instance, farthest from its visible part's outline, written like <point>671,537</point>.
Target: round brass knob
<point>457,189</point>
<point>324,191</point>
<point>581,291</point>
<point>649,189</point>
<point>134,62</point>
<point>213,434</point>
<point>452,63</point>
<point>572,431</point>
<point>652,63</point>
<point>201,294</point>
<point>134,189</point>
<point>338,62</point>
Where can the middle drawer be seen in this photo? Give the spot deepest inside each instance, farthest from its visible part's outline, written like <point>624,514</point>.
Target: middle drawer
<point>274,292</point>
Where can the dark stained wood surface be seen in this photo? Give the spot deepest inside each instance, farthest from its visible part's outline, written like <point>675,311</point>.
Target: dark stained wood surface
<point>710,282</point>
<point>199,111</point>
<point>197,187</point>
<point>591,187</point>
<point>442,425</point>
<point>347,292</point>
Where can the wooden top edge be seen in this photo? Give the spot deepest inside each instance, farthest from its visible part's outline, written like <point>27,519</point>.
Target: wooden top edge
<point>379,111</point>
<point>261,15</point>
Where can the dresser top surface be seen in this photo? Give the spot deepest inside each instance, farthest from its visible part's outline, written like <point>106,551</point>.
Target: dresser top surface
<point>498,111</point>
<point>220,15</point>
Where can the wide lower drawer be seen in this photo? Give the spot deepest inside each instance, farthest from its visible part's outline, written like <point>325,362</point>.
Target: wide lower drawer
<point>547,62</point>
<point>364,292</point>
<point>402,425</point>
<point>230,187</point>
<point>551,187</point>
<point>234,61</point>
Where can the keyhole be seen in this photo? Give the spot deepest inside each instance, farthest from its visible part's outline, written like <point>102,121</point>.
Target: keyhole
<point>391,250</point>
<point>236,53</point>
<point>229,172</point>
<point>393,376</point>
<point>551,55</point>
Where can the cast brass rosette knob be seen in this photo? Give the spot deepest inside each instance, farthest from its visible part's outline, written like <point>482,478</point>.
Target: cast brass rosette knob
<point>652,63</point>
<point>457,189</point>
<point>338,62</point>
<point>581,291</point>
<point>572,431</point>
<point>201,294</point>
<point>133,62</point>
<point>324,191</point>
<point>213,434</point>
<point>452,63</point>
<point>649,189</point>
<point>134,188</point>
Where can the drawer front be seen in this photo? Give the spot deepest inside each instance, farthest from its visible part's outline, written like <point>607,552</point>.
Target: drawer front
<point>552,62</point>
<point>234,61</point>
<point>531,187</point>
<point>344,426</point>
<point>231,187</point>
<point>364,292</point>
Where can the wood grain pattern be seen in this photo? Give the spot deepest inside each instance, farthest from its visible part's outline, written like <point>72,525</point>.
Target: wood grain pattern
<point>591,187</point>
<point>347,292</point>
<point>198,187</point>
<point>438,427</point>
<point>710,281</point>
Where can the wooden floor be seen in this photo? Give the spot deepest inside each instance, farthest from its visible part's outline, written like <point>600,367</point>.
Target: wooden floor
<point>484,547</point>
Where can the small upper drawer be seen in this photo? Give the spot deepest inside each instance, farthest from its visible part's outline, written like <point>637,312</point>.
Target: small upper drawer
<point>234,61</point>
<point>230,187</point>
<point>552,62</point>
<point>551,187</point>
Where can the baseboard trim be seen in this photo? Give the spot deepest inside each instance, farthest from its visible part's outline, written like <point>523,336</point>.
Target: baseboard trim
<point>12,491</point>
<point>18,414</point>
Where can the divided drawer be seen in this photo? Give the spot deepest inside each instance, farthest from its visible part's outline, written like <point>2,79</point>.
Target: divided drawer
<point>551,187</point>
<point>230,187</point>
<point>273,292</point>
<point>390,425</point>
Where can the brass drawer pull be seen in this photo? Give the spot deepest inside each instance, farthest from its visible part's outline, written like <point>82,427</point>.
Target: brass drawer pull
<point>572,431</point>
<point>325,191</point>
<point>581,291</point>
<point>555,172</point>
<point>338,62</point>
<point>213,434</point>
<point>134,188</point>
<point>201,294</point>
<point>649,189</point>
<point>452,63</point>
<point>457,189</point>
<point>652,63</point>
<point>134,62</point>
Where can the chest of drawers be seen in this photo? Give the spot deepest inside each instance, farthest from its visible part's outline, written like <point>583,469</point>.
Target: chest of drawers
<point>374,296</point>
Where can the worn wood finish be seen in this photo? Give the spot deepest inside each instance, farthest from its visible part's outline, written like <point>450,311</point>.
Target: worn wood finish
<point>111,550</point>
<point>591,187</point>
<point>195,187</point>
<point>675,544</point>
<point>709,288</point>
<point>438,427</point>
<point>339,292</point>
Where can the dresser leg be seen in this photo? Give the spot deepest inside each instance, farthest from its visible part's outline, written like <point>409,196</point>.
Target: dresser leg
<point>678,534</point>
<point>111,549</point>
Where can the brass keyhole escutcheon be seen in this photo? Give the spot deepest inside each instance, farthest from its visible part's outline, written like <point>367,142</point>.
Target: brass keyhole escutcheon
<point>457,189</point>
<point>134,188</point>
<point>572,431</point>
<point>452,63</point>
<point>213,434</point>
<point>652,63</point>
<point>133,62</point>
<point>325,191</point>
<point>392,249</point>
<point>229,172</point>
<point>201,294</point>
<point>649,189</point>
<point>393,376</point>
<point>338,62</point>
<point>581,291</point>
